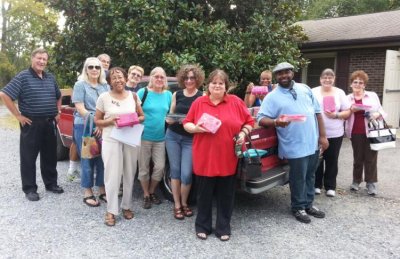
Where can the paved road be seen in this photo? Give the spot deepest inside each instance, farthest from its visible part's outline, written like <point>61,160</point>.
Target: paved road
<point>62,226</point>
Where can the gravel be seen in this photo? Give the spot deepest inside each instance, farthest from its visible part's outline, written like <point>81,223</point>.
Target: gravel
<point>356,224</point>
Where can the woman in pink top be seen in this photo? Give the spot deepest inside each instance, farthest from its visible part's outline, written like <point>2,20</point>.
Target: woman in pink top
<point>356,129</point>
<point>335,105</point>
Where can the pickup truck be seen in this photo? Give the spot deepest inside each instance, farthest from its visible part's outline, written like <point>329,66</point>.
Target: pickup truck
<point>275,172</point>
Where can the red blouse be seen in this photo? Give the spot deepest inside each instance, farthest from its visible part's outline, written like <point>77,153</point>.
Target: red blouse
<point>213,154</point>
<point>359,125</point>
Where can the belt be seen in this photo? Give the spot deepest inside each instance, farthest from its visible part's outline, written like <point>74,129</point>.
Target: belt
<point>40,118</point>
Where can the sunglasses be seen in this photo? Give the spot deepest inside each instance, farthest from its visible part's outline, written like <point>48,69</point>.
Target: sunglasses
<point>293,93</point>
<point>136,75</point>
<point>92,67</point>
<point>187,78</point>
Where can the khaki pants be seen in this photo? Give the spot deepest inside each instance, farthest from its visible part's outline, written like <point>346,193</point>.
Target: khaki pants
<point>156,152</point>
<point>120,160</point>
<point>364,159</point>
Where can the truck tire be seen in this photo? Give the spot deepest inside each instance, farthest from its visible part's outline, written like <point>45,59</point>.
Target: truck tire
<point>62,152</point>
<point>167,188</point>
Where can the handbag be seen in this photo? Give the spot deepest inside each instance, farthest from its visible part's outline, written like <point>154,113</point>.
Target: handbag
<point>91,146</point>
<point>383,138</point>
<point>250,165</point>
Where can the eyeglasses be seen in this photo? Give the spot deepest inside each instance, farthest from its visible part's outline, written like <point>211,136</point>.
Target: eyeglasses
<point>187,78</point>
<point>136,75</point>
<point>293,93</point>
<point>105,61</point>
<point>358,82</point>
<point>159,77</point>
<point>92,67</point>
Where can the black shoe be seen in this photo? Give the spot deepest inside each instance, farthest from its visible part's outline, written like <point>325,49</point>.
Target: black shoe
<point>313,211</point>
<point>301,216</point>
<point>154,199</point>
<point>55,189</point>
<point>146,202</point>
<point>32,196</point>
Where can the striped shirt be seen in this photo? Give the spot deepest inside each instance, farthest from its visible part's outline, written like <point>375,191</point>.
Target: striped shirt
<point>37,97</point>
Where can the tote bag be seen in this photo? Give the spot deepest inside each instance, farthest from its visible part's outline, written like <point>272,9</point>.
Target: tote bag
<point>383,138</point>
<point>90,144</point>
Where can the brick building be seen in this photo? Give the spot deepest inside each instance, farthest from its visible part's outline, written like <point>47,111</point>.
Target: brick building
<point>350,43</point>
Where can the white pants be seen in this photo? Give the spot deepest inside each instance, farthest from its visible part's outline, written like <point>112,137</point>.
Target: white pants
<point>156,151</point>
<point>120,160</point>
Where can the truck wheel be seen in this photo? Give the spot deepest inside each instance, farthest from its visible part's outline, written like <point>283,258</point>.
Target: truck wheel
<point>167,188</point>
<point>62,152</point>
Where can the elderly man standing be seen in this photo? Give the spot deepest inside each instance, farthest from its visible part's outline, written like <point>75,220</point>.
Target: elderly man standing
<point>39,102</point>
<point>299,142</point>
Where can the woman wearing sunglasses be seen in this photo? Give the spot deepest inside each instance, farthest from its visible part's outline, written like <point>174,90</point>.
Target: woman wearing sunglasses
<point>91,83</point>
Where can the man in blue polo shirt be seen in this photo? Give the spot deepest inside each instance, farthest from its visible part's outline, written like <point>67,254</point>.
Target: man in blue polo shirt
<point>299,142</point>
<point>39,103</point>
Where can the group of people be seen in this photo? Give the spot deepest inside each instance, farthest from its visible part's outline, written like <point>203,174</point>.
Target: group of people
<point>101,95</point>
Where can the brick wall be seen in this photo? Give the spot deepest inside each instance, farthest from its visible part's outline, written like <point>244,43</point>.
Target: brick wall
<point>372,61</point>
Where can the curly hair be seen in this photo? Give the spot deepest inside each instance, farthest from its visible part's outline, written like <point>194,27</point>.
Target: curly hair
<point>184,71</point>
<point>218,73</point>
<point>359,74</point>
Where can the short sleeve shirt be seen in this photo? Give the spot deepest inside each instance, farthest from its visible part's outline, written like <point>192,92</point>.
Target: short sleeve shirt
<point>88,95</point>
<point>37,97</point>
<point>213,154</point>
<point>114,107</point>
<point>298,139</point>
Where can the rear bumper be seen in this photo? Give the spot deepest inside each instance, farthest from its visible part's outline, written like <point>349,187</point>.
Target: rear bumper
<point>274,177</point>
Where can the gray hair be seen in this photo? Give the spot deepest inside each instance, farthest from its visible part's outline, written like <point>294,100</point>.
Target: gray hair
<point>39,51</point>
<point>153,72</point>
<point>327,72</point>
<point>84,75</point>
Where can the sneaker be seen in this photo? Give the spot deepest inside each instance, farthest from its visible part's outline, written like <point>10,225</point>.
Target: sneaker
<point>317,191</point>
<point>313,211</point>
<point>146,202</point>
<point>371,189</point>
<point>355,186</point>
<point>330,193</point>
<point>154,199</point>
<point>32,196</point>
<point>301,216</point>
<point>72,174</point>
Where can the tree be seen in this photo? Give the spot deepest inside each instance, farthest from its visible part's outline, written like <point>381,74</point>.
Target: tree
<point>243,40</point>
<point>26,24</point>
<point>338,8</point>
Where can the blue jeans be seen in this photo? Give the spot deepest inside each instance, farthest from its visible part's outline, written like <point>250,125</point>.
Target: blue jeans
<point>301,181</point>
<point>89,166</point>
<point>179,149</point>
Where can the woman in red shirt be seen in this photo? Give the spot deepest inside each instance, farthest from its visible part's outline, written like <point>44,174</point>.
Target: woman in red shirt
<point>214,160</point>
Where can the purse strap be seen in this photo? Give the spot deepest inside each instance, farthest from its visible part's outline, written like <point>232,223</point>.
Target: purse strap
<point>250,145</point>
<point>88,120</point>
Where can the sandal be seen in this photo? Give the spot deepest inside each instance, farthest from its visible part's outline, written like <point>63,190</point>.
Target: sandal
<point>128,214</point>
<point>202,236</point>
<point>103,197</point>
<point>109,220</point>
<point>178,214</point>
<point>224,238</point>
<point>187,211</point>
<point>85,200</point>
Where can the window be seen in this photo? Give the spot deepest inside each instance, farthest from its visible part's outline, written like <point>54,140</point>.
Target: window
<point>317,64</point>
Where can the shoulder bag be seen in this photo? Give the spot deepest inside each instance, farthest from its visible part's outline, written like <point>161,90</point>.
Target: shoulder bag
<point>383,138</point>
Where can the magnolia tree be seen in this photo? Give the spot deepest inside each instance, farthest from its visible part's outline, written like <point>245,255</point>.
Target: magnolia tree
<point>243,39</point>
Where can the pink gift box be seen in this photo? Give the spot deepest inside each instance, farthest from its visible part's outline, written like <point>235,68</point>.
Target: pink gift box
<point>293,118</point>
<point>329,103</point>
<point>129,119</point>
<point>259,90</point>
<point>209,122</point>
<point>362,106</point>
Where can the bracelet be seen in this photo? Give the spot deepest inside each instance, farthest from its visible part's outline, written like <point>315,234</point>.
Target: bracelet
<point>337,115</point>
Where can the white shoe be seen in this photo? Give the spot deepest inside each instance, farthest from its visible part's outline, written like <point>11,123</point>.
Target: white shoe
<point>330,193</point>
<point>355,186</point>
<point>371,189</point>
<point>317,191</point>
<point>72,174</point>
